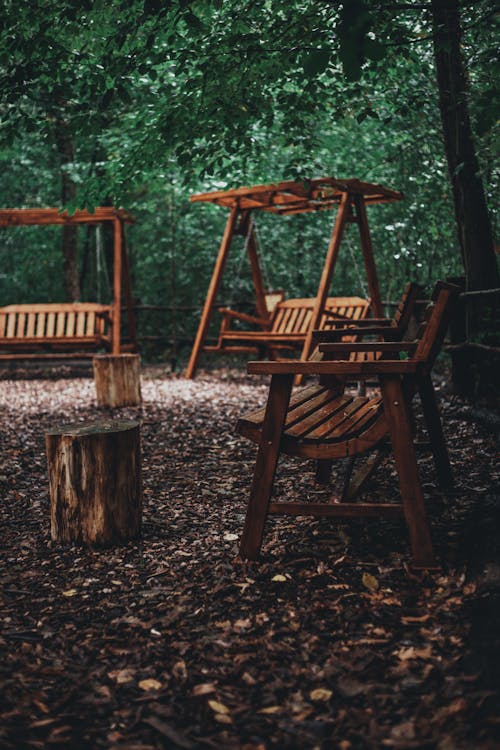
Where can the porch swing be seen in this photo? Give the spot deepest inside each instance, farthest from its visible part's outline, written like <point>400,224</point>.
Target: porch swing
<point>57,330</point>
<point>288,324</point>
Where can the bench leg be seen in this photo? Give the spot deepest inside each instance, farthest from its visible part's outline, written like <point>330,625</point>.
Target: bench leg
<point>323,471</point>
<point>265,466</point>
<point>435,431</point>
<point>412,497</point>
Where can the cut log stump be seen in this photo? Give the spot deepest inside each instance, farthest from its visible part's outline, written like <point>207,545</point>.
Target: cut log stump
<point>95,481</point>
<point>117,379</point>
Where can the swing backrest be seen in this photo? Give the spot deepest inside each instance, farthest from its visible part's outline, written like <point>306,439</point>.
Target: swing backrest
<point>293,316</point>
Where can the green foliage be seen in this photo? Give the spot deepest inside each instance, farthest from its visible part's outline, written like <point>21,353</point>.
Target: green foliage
<point>163,98</point>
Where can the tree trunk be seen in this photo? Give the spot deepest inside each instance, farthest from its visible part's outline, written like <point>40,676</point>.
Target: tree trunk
<point>471,212</point>
<point>95,481</point>
<point>473,222</point>
<point>69,233</point>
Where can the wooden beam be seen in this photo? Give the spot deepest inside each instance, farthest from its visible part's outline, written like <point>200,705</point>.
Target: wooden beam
<point>52,216</point>
<point>212,292</point>
<point>253,257</point>
<point>328,268</point>
<point>117,281</point>
<point>127,288</point>
<point>367,248</point>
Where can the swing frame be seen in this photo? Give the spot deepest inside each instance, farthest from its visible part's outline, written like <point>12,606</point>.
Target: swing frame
<point>35,331</point>
<point>349,196</point>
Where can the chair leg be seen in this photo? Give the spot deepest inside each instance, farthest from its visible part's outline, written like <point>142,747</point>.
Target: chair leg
<point>365,472</point>
<point>323,471</point>
<point>265,465</point>
<point>412,497</point>
<point>435,431</point>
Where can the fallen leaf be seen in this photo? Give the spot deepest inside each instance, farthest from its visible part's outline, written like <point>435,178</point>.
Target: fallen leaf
<point>218,708</point>
<point>410,652</point>
<point>121,676</point>
<point>370,581</point>
<point>231,537</point>
<point>204,688</point>
<point>150,684</point>
<point>270,710</point>
<point>320,694</point>
<point>70,592</point>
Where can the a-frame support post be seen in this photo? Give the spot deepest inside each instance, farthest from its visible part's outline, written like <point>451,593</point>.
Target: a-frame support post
<point>253,257</point>
<point>367,248</point>
<point>117,282</point>
<point>328,268</point>
<point>212,292</point>
<point>127,289</point>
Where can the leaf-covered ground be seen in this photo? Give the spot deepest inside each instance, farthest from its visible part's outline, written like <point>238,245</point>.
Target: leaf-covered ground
<point>173,642</point>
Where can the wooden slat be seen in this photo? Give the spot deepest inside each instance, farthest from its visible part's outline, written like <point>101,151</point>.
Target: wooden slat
<point>51,322</point>
<point>70,324</point>
<point>317,419</point>
<point>40,325</point>
<point>90,326</point>
<point>11,326</point>
<point>61,324</point>
<point>21,322</point>
<point>80,323</point>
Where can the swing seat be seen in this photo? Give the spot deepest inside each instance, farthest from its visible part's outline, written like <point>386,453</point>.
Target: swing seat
<point>324,423</point>
<point>287,325</point>
<point>54,330</point>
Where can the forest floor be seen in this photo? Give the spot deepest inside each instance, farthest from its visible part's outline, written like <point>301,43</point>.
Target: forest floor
<point>329,642</point>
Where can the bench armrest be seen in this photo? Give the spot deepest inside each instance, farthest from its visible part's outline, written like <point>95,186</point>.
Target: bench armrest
<point>359,370</point>
<point>326,335</point>
<point>369,346</point>
<point>227,313</point>
<point>362,322</point>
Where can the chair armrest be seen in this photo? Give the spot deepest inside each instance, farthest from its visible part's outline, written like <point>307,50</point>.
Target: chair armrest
<point>325,335</point>
<point>363,322</point>
<point>244,317</point>
<point>360,370</point>
<point>369,346</point>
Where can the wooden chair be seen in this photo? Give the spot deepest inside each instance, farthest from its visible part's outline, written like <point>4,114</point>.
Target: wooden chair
<point>324,423</point>
<point>287,325</point>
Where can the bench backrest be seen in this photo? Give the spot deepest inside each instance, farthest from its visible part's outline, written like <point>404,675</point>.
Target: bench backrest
<point>54,321</point>
<point>294,315</point>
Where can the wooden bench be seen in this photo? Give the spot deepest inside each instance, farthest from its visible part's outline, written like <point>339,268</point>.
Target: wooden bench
<point>54,330</point>
<point>324,423</point>
<point>287,325</point>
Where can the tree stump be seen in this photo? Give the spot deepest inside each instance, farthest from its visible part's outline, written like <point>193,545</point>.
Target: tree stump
<point>95,481</point>
<point>117,379</point>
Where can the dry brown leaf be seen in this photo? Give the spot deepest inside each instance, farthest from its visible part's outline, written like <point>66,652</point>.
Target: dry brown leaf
<point>150,684</point>
<point>218,708</point>
<point>320,694</point>
<point>204,688</point>
<point>271,710</point>
<point>121,676</point>
<point>370,582</point>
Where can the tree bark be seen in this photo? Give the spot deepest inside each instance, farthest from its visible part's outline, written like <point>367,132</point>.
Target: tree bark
<point>117,379</point>
<point>95,481</point>
<point>69,233</point>
<point>473,222</point>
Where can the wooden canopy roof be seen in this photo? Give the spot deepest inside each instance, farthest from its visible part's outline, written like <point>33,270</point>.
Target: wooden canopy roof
<point>32,216</point>
<point>298,197</point>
